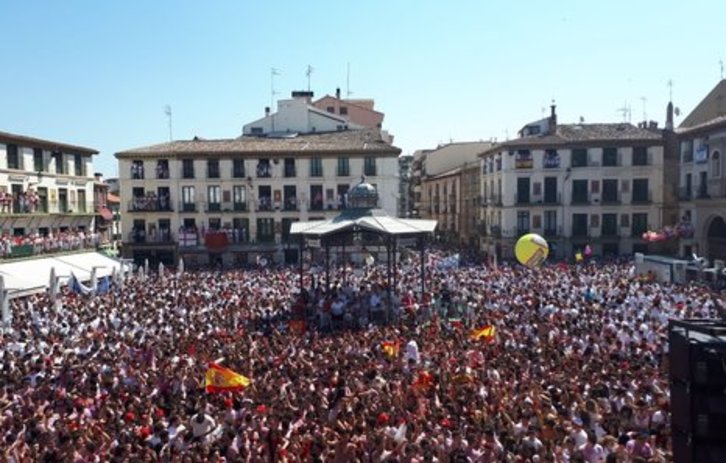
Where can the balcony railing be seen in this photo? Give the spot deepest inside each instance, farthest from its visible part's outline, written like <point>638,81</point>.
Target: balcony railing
<point>264,204</point>
<point>685,194</point>
<point>642,199</point>
<point>579,200</point>
<point>159,236</point>
<point>187,206</point>
<point>610,199</point>
<point>579,233</point>
<point>290,204</point>
<point>524,199</point>
<point>145,204</point>
<point>290,172</point>
<point>552,199</point>
<point>550,232</point>
<point>212,207</point>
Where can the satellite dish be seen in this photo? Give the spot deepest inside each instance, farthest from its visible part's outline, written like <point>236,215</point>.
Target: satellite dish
<point>677,111</point>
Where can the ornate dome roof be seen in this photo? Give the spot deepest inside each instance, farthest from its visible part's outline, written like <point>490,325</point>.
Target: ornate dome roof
<point>363,196</point>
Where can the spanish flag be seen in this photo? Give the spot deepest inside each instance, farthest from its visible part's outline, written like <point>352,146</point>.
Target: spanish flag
<point>220,379</point>
<point>391,349</point>
<point>487,333</point>
<point>424,380</point>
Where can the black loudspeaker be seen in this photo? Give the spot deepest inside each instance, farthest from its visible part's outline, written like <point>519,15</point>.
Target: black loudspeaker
<point>697,359</point>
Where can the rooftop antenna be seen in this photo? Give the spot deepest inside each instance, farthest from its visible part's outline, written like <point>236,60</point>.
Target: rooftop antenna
<point>348,91</point>
<point>625,111</point>
<point>308,73</point>
<point>167,111</point>
<point>670,89</point>
<point>720,63</point>
<point>273,72</point>
<point>645,114</point>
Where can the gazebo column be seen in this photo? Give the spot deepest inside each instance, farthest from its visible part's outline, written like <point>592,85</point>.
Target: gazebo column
<point>390,279</point>
<point>327,266</point>
<point>301,244</point>
<point>395,263</point>
<point>422,249</point>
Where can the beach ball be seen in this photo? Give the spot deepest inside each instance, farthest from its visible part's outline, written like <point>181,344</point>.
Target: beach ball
<point>531,250</point>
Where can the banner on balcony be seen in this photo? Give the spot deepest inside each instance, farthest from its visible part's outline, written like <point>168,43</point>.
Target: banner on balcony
<point>523,159</point>
<point>187,239</point>
<point>551,159</point>
<point>216,240</point>
<point>701,156</point>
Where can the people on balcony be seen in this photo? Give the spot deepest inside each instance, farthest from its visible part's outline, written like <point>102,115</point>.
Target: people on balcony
<point>50,243</point>
<point>25,202</point>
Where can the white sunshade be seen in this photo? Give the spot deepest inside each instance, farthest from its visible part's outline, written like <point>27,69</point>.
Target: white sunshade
<point>380,224</point>
<point>32,274</point>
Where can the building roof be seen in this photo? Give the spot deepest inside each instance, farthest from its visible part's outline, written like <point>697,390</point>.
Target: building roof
<point>373,220</point>
<point>112,198</point>
<point>364,104</point>
<point>32,142</point>
<point>364,141</point>
<point>713,106</point>
<point>583,133</point>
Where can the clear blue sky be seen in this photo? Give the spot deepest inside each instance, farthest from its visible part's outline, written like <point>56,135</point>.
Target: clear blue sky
<point>100,73</point>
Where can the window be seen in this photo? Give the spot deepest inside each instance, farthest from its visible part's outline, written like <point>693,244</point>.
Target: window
<point>290,167</point>
<point>624,220</point>
<point>316,167</point>
<point>687,150</point>
<point>257,130</point>
<point>62,200</point>
<point>550,190</point>
<point>609,191</point>
<point>640,190</point>
<point>240,230</point>
<point>137,170</point>
<point>264,198</point>
<point>609,157</point>
<point>187,168</point>
<point>579,225</point>
<point>79,166</point>
<point>536,221</point>
<point>609,225</point>
<point>215,224</point>
<point>579,192</point>
<point>60,167</point>
<point>138,232</point>
<point>162,169</point>
<point>188,199</point>
<point>594,220</point>
<point>579,157</point>
<point>213,168</point>
<point>369,166</point>
<point>286,223</point>
<point>81,196</point>
<point>14,160</point>
<point>264,169</point>
<point>522,222</point>
<point>342,196</point>
<point>550,223</point>
<point>640,156</point>
<point>640,224</point>
<point>238,168</point>
<point>716,164</point>
<point>38,161</point>
<point>537,188</point>
<point>239,198</point>
<point>522,190</point>
<point>343,110</point>
<point>265,230</point>
<point>595,186</point>
<point>214,198</point>
<point>289,193</point>
<point>316,197</point>
<point>330,109</point>
<point>343,166</point>
<point>42,199</point>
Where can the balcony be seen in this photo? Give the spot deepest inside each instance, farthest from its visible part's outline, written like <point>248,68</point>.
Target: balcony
<point>316,206</point>
<point>290,172</point>
<point>236,207</point>
<point>685,194</point>
<point>580,233</point>
<point>580,200</point>
<point>551,232</point>
<point>187,207</point>
<point>163,236</point>
<point>212,207</point>
<point>264,170</point>
<point>641,198</point>
<point>148,204</point>
<point>522,200</point>
<point>290,204</point>
<point>264,204</point>
<point>610,200</point>
<point>552,199</point>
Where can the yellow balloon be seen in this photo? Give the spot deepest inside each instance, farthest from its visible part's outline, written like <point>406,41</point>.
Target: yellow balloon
<point>531,250</point>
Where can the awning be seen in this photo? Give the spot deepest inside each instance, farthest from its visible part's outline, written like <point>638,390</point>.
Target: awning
<point>105,213</point>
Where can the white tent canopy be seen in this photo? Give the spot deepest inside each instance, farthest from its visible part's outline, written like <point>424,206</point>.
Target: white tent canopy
<point>32,275</point>
<point>369,221</point>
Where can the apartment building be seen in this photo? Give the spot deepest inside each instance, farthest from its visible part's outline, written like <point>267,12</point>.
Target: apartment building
<point>575,184</point>
<point>447,195</point>
<point>233,200</point>
<point>702,192</point>
<point>45,186</point>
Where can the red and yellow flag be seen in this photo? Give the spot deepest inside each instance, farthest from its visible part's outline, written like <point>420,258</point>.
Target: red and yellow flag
<point>391,349</point>
<point>220,379</point>
<point>423,380</point>
<point>486,333</point>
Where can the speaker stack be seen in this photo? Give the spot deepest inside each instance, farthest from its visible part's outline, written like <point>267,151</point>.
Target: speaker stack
<point>697,358</point>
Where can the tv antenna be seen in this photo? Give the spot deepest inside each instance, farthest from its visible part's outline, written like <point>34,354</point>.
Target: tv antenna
<point>167,111</point>
<point>625,111</point>
<point>645,114</point>
<point>720,63</point>
<point>273,72</point>
<point>670,89</point>
<point>308,73</point>
<point>348,91</point>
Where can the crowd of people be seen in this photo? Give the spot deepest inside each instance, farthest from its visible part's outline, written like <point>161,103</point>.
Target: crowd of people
<point>53,242</point>
<point>574,368</point>
<point>23,202</point>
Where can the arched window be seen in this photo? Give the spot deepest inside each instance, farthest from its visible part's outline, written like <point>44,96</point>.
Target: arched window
<point>716,164</point>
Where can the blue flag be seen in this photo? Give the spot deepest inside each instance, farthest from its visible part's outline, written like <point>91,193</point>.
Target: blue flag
<point>75,285</point>
<point>103,286</point>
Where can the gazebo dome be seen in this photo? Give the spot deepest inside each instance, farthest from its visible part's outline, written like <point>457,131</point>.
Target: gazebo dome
<point>363,196</point>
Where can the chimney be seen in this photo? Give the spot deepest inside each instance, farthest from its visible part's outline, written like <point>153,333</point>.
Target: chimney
<point>669,116</point>
<point>267,111</point>
<point>552,128</point>
<point>337,93</point>
<point>98,176</point>
<point>306,95</point>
